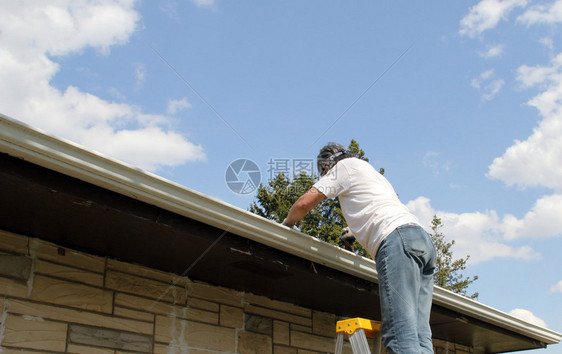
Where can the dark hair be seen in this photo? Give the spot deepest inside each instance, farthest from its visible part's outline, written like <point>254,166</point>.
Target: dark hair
<point>329,155</point>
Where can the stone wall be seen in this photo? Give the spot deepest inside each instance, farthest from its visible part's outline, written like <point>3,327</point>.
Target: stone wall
<point>53,299</point>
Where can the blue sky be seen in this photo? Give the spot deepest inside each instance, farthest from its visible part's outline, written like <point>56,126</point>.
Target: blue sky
<point>461,103</point>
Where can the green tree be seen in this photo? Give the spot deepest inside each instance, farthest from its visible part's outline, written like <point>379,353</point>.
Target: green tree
<point>274,201</point>
<point>448,271</point>
<point>356,150</point>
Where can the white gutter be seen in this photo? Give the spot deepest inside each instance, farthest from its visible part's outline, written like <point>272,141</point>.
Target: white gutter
<point>22,141</point>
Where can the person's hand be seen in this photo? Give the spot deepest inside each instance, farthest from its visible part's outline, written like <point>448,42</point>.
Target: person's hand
<point>347,238</point>
<point>292,227</point>
<point>347,234</point>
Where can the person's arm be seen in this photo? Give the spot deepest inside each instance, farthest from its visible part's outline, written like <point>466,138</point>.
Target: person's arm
<point>303,205</point>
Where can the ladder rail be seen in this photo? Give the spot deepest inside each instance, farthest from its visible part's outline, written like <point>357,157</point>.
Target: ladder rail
<point>359,342</point>
<point>339,342</point>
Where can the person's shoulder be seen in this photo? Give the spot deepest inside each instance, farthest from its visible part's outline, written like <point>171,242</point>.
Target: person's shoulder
<point>354,161</point>
<point>347,163</point>
<point>351,160</point>
<point>357,165</point>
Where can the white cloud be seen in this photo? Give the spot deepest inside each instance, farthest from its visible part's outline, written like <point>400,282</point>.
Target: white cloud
<point>175,106</point>
<point>163,145</point>
<point>486,14</point>
<point>557,288</point>
<point>530,76</point>
<point>543,220</point>
<point>34,34</point>
<point>531,163</point>
<point>140,74</point>
<point>432,161</point>
<point>486,235</point>
<point>66,26</point>
<point>493,51</point>
<point>547,42</point>
<point>492,89</point>
<point>536,161</point>
<point>477,82</point>
<point>528,316</point>
<point>488,84</point>
<point>545,14</point>
<point>204,3</point>
<point>170,9</point>
<point>476,234</point>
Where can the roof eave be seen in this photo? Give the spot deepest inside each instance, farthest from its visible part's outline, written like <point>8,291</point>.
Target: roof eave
<point>30,144</point>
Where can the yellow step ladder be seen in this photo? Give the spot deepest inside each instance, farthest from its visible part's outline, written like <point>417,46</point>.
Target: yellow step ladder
<point>358,329</point>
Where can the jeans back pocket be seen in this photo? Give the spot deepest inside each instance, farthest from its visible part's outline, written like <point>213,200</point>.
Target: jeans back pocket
<point>417,243</point>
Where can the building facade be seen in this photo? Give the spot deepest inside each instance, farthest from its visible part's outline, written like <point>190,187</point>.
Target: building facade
<point>99,257</point>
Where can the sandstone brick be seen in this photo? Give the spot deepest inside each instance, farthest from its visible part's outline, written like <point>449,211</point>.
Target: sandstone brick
<point>215,294</point>
<point>11,287</point>
<point>132,284</point>
<point>281,333</point>
<point>278,349</point>
<point>51,252</point>
<point>6,350</point>
<point>179,332</point>
<point>278,315</point>
<point>176,349</point>
<point>276,305</point>
<point>202,304</point>
<point>148,305</point>
<point>135,269</point>
<point>462,348</point>
<point>77,316</point>
<point>167,309</point>
<point>312,342</point>
<point>231,316</point>
<point>66,293</point>
<point>324,324</point>
<point>34,333</point>
<point>13,243</point>
<point>195,315</point>
<point>254,343</point>
<point>110,338</point>
<point>259,324</point>
<point>165,349</point>
<point>82,349</point>
<point>15,266</point>
<point>68,273</point>
<point>305,329</point>
<point>134,314</point>
<point>438,343</point>
<point>441,350</point>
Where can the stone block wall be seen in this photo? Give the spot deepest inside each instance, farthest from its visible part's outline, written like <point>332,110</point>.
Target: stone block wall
<point>58,300</point>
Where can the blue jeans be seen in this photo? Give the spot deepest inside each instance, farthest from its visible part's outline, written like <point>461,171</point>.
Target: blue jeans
<point>405,263</point>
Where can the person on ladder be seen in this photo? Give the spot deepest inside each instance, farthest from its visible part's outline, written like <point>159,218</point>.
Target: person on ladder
<point>404,253</point>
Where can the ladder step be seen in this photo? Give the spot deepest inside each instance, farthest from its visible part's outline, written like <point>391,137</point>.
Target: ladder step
<point>351,325</point>
<point>358,329</point>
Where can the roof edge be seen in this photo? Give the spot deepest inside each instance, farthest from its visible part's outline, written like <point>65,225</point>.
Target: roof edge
<point>20,140</point>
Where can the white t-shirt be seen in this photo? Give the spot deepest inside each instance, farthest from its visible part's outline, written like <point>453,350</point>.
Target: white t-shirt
<point>368,201</point>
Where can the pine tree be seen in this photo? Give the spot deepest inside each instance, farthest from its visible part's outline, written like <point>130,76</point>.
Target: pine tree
<point>448,271</point>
